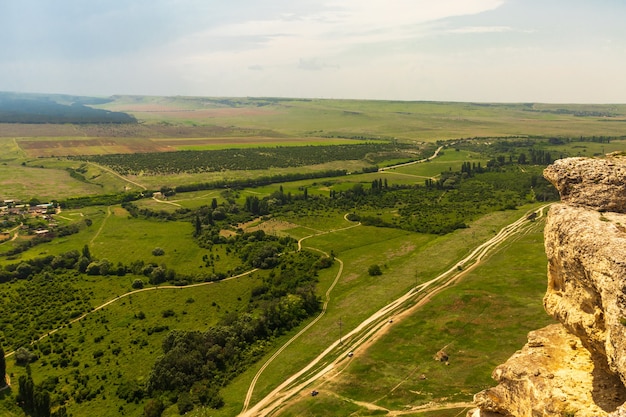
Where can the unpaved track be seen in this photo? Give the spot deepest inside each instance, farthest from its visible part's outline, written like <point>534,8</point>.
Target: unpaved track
<point>325,364</point>
<point>246,402</point>
<point>116,299</point>
<point>433,156</point>
<point>110,171</point>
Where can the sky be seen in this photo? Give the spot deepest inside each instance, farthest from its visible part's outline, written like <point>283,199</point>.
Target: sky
<point>553,51</point>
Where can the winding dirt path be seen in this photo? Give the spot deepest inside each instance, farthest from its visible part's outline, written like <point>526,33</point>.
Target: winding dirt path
<point>119,297</point>
<point>326,365</point>
<point>246,402</point>
<point>433,156</point>
<point>123,178</point>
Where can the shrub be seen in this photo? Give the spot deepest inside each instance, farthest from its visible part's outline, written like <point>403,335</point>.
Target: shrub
<point>374,270</point>
<point>24,356</point>
<point>158,251</point>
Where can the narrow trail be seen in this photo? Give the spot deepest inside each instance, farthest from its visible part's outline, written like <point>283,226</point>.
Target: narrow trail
<point>250,392</point>
<point>433,156</point>
<point>109,170</point>
<point>101,226</point>
<point>373,327</point>
<point>166,202</point>
<point>120,297</point>
<point>16,229</point>
<point>429,407</point>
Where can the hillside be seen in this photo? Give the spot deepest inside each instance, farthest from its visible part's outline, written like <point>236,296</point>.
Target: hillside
<point>193,261</point>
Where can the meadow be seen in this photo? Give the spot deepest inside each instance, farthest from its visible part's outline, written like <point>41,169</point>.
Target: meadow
<point>487,316</point>
<point>102,361</point>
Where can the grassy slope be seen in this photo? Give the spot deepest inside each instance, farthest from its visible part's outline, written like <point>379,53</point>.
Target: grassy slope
<point>486,318</point>
<point>423,121</point>
<point>195,308</point>
<point>410,259</point>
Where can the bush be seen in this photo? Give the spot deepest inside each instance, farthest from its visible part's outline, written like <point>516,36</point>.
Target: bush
<point>153,408</point>
<point>24,356</point>
<point>137,284</point>
<point>374,270</point>
<point>158,251</point>
<point>168,313</point>
<point>184,403</point>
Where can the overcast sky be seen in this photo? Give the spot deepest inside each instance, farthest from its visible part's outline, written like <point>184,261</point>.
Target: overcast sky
<point>448,50</point>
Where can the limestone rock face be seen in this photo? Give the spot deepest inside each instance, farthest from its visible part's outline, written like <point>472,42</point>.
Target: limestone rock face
<point>599,184</point>
<point>587,278</point>
<point>576,368</point>
<point>552,375</point>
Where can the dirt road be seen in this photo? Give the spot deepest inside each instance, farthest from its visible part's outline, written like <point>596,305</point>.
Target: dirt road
<point>334,359</point>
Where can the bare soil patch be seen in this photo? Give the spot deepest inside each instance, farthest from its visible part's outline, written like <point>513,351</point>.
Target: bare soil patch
<point>92,146</point>
<point>12,130</point>
<point>271,227</point>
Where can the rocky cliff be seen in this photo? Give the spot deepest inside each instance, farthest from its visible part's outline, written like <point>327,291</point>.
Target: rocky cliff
<point>578,367</point>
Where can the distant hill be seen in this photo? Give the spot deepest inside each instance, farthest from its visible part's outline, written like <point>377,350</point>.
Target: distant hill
<point>56,108</point>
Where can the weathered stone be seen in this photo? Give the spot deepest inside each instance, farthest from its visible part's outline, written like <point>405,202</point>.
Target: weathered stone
<point>567,381</point>
<point>578,367</point>
<point>586,273</point>
<point>599,184</point>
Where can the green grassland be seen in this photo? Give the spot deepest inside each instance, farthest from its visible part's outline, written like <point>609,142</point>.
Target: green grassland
<point>487,317</point>
<point>385,119</point>
<point>129,345</point>
<point>480,321</point>
<point>218,123</point>
<point>410,259</point>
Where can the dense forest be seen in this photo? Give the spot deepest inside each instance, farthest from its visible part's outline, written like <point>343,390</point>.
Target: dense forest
<point>22,108</point>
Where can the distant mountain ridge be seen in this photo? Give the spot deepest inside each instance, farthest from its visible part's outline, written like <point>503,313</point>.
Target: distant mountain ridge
<point>57,109</point>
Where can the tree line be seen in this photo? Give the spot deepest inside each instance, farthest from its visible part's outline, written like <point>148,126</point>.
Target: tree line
<point>44,110</point>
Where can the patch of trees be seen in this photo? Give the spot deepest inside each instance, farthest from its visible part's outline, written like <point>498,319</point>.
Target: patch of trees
<point>38,109</point>
<point>53,301</point>
<point>576,113</point>
<point>102,200</point>
<point>438,207</point>
<point>196,364</point>
<point>525,151</point>
<point>165,163</point>
<point>48,283</point>
<point>33,399</point>
<point>146,213</point>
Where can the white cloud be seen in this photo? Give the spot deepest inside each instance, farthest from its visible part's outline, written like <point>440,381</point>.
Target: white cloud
<point>481,29</point>
<point>495,50</point>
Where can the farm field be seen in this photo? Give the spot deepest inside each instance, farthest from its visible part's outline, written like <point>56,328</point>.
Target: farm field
<point>156,220</point>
